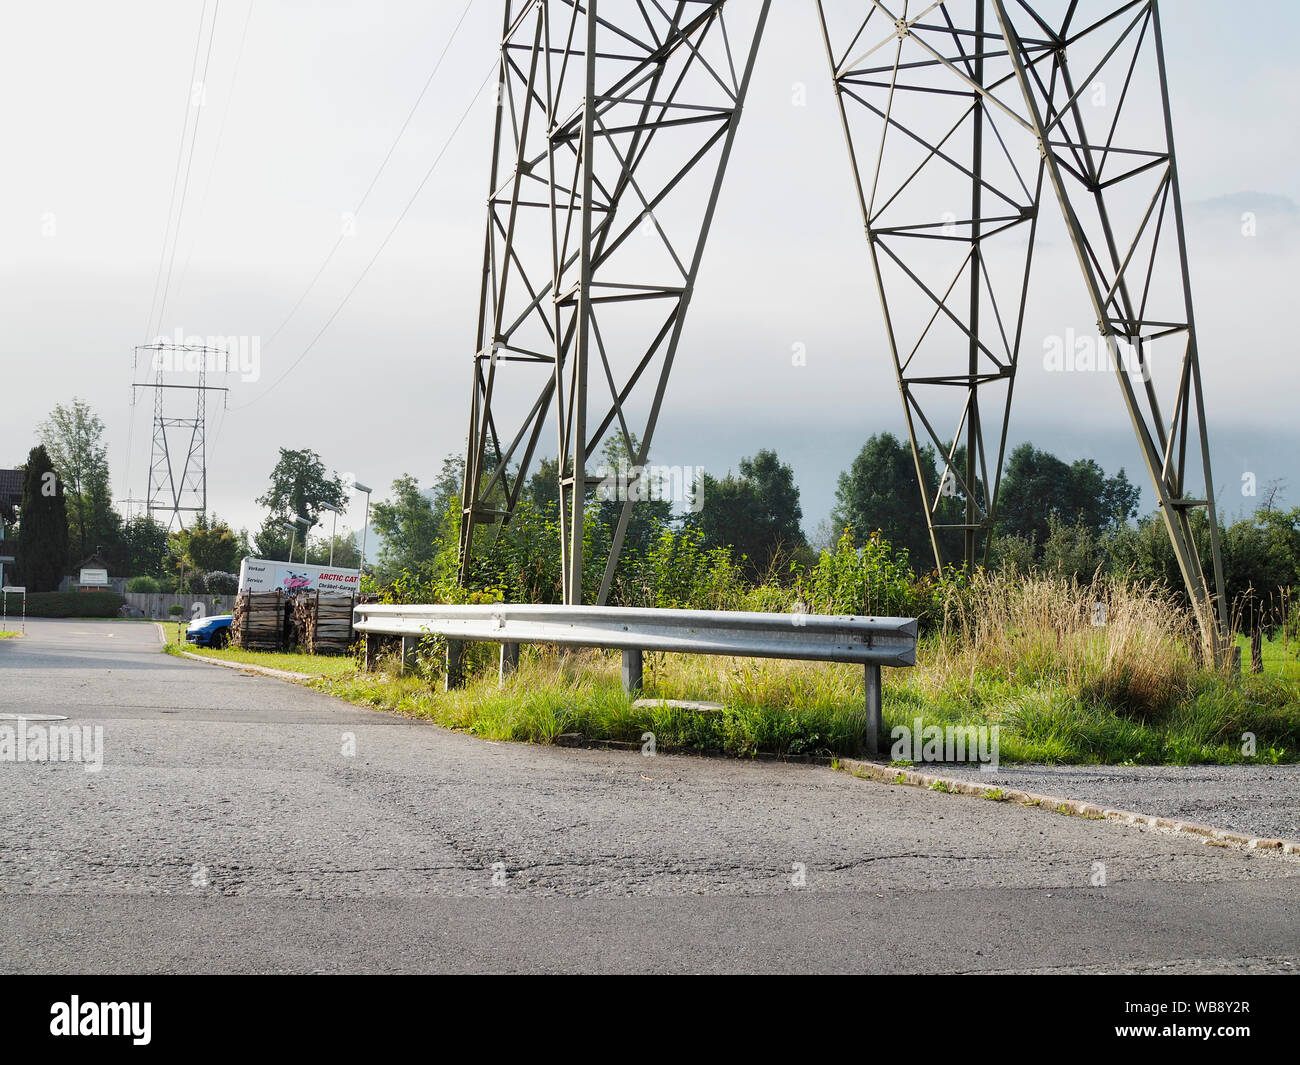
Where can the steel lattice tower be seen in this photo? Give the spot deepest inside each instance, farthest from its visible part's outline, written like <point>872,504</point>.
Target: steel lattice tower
<point>178,488</point>
<point>614,125</point>
<point>950,201</point>
<point>1021,86</point>
<point>957,115</point>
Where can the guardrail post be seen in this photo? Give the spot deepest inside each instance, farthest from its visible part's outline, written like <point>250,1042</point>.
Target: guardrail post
<point>509,660</point>
<point>455,675</point>
<point>632,671</point>
<point>409,644</point>
<point>876,745</point>
<point>371,645</point>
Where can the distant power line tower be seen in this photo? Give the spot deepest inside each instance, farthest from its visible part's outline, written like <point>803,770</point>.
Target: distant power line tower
<point>178,464</point>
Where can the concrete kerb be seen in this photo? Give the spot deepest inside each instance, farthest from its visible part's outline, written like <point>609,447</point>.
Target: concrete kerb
<point>247,667</point>
<point>1218,837</point>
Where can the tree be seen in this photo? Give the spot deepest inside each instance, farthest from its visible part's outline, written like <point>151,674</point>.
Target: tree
<point>73,438</point>
<point>449,484</point>
<point>346,550</point>
<point>411,529</point>
<point>272,540</point>
<point>212,545</point>
<point>756,514</point>
<point>43,541</point>
<point>878,493</point>
<point>299,487</point>
<point>143,546</point>
<point>1261,555</point>
<point>649,515</point>
<point>1071,551</point>
<point>1038,487</point>
<point>543,487</point>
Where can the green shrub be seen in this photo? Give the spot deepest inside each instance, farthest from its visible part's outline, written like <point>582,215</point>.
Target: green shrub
<point>679,572</point>
<point>143,586</point>
<point>219,582</point>
<point>74,604</point>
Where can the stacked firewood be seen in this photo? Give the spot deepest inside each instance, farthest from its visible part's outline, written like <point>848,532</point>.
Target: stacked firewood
<point>258,622</point>
<point>323,623</point>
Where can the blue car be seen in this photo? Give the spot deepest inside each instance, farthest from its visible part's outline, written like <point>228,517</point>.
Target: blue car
<point>210,632</point>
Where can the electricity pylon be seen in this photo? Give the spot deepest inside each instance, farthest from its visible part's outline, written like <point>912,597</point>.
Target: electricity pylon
<point>614,118</point>
<point>178,486</point>
<point>982,102</point>
<point>614,126</point>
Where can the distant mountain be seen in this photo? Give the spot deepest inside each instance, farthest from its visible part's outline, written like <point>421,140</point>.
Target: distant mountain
<point>1265,203</point>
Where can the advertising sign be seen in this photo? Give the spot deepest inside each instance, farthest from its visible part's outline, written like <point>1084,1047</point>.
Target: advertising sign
<point>265,575</point>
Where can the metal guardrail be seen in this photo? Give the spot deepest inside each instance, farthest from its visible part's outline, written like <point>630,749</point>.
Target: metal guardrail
<point>870,642</point>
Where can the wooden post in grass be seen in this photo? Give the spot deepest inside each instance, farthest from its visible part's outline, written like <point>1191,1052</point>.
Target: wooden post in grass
<point>371,645</point>
<point>875,740</point>
<point>1257,650</point>
<point>409,644</point>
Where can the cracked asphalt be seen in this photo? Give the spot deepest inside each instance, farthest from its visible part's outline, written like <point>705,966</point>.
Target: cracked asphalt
<point>230,830</point>
<point>1259,800</point>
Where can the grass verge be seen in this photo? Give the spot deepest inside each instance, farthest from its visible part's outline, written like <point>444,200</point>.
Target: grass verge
<point>810,709</point>
<point>1026,656</point>
<point>314,665</point>
<point>767,709</point>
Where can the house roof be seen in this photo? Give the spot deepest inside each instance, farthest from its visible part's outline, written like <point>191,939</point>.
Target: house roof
<point>11,487</point>
<point>93,562</point>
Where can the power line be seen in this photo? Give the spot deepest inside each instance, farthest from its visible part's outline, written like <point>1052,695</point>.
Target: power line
<point>216,150</point>
<point>378,251</point>
<point>162,256</point>
<point>374,180</point>
<point>176,174</point>
<point>189,163</point>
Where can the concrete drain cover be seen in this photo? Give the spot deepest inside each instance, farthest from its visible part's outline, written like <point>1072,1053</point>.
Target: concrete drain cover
<point>680,704</point>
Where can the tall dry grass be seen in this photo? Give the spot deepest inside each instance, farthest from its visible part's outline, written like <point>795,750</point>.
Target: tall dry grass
<point>1042,628</point>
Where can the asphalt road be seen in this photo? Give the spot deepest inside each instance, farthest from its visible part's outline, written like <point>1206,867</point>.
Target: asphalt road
<point>230,830</point>
<point>1257,800</point>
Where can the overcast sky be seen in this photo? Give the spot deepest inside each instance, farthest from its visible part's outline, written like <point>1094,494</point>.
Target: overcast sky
<point>93,99</point>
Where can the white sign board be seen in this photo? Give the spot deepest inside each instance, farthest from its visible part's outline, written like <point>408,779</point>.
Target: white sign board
<point>94,576</point>
<point>14,589</point>
<point>264,575</point>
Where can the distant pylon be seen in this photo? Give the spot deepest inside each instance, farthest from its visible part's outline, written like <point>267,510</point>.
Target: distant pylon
<point>177,488</point>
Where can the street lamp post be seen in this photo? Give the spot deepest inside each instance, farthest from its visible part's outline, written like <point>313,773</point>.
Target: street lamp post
<point>334,528</point>
<point>293,535</point>
<point>365,529</point>
<point>306,525</point>
<point>293,527</point>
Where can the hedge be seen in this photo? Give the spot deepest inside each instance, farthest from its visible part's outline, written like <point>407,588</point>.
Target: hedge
<point>70,604</point>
